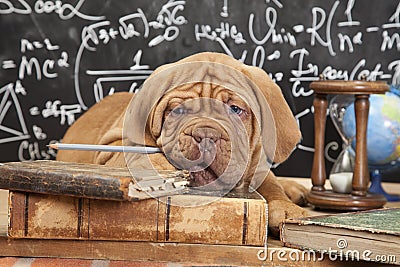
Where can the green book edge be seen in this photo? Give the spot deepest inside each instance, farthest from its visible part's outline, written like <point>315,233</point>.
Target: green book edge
<point>386,221</point>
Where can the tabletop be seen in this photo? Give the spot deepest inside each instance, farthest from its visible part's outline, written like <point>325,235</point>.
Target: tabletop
<point>26,252</point>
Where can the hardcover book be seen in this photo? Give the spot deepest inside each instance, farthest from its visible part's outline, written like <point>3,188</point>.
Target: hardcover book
<point>90,180</point>
<point>227,220</point>
<point>372,235</point>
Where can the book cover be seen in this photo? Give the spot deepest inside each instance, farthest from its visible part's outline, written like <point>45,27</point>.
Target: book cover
<point>230,220</point>
<point>372,235</point>
<point>89,180</point>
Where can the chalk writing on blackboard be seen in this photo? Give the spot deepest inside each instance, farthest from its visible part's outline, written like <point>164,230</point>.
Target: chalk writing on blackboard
<point>64,10</point>
<point>61,57</point>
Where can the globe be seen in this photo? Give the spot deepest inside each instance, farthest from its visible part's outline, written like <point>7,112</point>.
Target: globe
<point>383,134</point>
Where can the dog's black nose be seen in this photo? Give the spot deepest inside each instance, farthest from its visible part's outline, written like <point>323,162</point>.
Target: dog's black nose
<point>206,138</point>
<point>206,145</point>
<point>205,133</point>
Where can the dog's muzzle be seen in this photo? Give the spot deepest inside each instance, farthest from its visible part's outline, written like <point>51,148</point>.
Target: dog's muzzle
<point>202,136</point>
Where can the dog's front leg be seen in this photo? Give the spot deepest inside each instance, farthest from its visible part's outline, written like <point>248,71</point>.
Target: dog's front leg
<point>279,205</point>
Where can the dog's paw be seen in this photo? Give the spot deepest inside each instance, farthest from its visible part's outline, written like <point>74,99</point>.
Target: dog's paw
<point>295,191</point>
<point>279,210</point>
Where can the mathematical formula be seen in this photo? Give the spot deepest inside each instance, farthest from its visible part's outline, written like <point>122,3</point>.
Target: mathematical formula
<point>50,77</point>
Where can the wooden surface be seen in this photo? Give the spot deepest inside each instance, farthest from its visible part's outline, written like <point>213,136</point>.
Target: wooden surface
<point>349,87</point>
<point>162,252</point>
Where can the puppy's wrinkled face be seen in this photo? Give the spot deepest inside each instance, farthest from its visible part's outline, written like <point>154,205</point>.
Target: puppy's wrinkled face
<point>207,130</point>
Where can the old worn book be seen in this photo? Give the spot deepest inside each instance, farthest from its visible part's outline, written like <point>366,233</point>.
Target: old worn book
<point>90,180</point>
<point>231,220</point>
<point>372,235</point>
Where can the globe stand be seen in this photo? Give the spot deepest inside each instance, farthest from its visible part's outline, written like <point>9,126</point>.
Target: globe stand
<point>359,198</point>
<point>376,187</point>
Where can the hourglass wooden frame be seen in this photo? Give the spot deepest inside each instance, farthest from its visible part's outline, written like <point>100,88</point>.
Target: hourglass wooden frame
<point>359,198</point>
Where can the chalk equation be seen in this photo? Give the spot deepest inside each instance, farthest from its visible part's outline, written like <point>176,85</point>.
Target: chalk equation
<point>64,56</point>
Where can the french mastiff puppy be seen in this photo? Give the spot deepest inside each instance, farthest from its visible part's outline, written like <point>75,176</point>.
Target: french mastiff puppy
<point>224,121</point>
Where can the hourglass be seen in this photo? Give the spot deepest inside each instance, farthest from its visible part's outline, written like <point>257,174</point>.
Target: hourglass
<point>341,173</point>
<point>358,198</point>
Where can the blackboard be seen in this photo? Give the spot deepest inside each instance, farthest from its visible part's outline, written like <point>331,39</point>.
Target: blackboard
<point>58,58</point>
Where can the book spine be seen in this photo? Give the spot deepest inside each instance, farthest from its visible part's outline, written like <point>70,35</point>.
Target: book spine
<point>225,221</point>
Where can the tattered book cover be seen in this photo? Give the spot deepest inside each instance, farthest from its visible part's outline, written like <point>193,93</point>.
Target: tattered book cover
<point>372,235</point>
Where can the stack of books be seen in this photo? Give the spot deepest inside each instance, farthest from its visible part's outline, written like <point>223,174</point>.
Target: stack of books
<point>69,201</point>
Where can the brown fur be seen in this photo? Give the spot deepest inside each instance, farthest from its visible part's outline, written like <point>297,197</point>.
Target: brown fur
<point>103,124</point>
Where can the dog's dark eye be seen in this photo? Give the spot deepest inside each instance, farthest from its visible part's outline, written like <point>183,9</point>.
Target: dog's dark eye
<point>236,110</point>
<point>178,111</point>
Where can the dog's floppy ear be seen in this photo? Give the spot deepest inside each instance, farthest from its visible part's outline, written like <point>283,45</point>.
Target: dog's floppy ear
<point>137,121</point>
<point>287,130</point>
